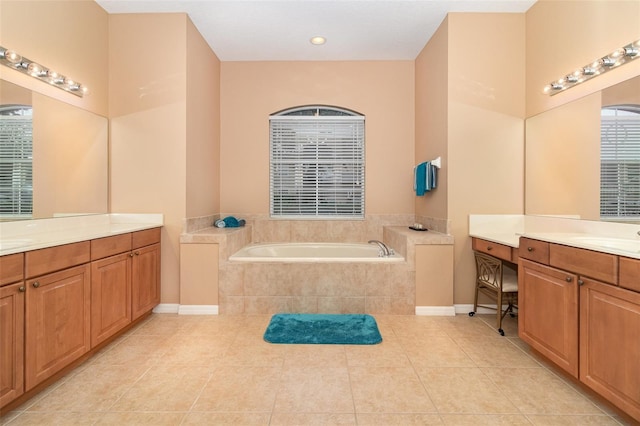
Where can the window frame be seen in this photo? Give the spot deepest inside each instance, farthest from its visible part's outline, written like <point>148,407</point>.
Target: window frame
<point>317,164</point>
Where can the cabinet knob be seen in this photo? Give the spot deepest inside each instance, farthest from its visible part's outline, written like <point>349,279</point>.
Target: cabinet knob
<point>569,279</point>
<point>130,254</point>
<point>137,253</point>
<point>36,284</point>
<point>22,289</point>
<point>529,248</point>
<point>489,248</point>
<point>580,282</point>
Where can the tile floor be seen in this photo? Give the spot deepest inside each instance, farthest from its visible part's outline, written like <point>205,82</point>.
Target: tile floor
<point>217,370</point>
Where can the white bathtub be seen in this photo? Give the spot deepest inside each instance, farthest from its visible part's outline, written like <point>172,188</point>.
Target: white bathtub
<point>312,252</point>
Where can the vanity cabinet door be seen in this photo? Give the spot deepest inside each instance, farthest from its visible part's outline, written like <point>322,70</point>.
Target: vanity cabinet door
<point>110,296</point>
<point>11,342</point>
<point>57,322</point>
<point>145,282</point>
<point>610,343</point>
<point>548,313</point>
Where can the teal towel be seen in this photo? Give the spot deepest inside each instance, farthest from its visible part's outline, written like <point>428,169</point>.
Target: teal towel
<point>420,174</point>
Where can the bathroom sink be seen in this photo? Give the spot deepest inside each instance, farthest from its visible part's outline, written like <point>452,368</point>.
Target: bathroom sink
<point>611,242</point>
<point>11,244</point>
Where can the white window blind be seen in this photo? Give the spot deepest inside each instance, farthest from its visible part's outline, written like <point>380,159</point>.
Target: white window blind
<point>317,164</point>
<point>620,163</point>
<point>16,158</point>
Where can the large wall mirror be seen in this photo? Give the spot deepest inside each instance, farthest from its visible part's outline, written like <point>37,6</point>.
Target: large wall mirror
<point>53,157</point>
<point>582,159</point>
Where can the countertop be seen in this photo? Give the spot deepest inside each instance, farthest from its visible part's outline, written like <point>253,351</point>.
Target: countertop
<point>22,236</point>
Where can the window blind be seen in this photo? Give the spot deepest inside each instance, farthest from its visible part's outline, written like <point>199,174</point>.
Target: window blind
<point>620,165</point>
<point>317,166</point>
<point>16,158</point>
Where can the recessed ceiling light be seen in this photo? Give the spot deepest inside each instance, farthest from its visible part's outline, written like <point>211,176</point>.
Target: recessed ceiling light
<point>318,40</point>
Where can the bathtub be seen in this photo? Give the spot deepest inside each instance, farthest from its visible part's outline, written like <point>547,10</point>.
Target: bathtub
<point>312,252</point>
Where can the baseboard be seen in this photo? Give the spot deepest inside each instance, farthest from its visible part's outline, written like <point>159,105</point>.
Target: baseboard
<point>198,310</point>
<point>465,309</point>
<point>166,308</point>
<point>448,311</point>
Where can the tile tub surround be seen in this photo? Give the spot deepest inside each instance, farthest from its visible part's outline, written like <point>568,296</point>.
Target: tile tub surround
<point>42,233</point>
<point>259,288</point>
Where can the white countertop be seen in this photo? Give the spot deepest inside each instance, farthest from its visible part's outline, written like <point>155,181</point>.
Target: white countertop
<point>613,238</point>
<point>21,236</point>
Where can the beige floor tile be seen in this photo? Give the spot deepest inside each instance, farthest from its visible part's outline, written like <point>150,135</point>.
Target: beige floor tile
<point>140,418</point>
<point>464,391</point>
<point>537,391</point>
<point>389,390</point>
<point>164,388</point>
<point>385,354</point>
<point>387,419</point>
<point>237,389</point>
<point>94,389</point>
<point>314,356</point>
<point>553,420</point>
<point>201,418</point>
<point>485,419</point>
<point>52,418</point>
<point>312,419</point>
<point>314,390</point>
<point>194,350</point>
<point>466,326</point>
<point>489,351</point>
<point>437,351</point>
<point>254,353</point>
<point>135,349</point>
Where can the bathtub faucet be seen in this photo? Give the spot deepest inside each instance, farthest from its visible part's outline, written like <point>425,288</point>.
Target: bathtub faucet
<point>384,250</point>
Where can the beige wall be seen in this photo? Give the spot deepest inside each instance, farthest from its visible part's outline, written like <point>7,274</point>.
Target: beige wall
<point>431,97</point>
<point>382,91</point>
<point>70,37</point>
<point>203,127</point>
<point>565,35</point>
<point>150,144</point>
<point>563,160</point>
<point>483,141</point>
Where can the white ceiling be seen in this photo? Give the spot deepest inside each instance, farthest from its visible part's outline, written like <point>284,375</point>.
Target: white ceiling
<point>267,30</point>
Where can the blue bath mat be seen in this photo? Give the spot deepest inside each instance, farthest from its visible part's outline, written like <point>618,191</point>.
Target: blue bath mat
<point>323,329</point>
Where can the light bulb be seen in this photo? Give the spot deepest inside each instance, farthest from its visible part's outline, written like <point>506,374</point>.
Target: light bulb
<point>36,70</point>
<point>607,61</point>
<point>318,40</point>
<point>630,51</point>
<point>11,56</point>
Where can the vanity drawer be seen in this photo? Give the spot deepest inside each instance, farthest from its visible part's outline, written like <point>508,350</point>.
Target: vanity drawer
<point>11,268</point>
<point>593,264</point>
<point>110,246</point>
<point>535,250</point>
<point>146,237</point>
<point>43,261</point>
<point>500,251</point>
<point>630,273</point>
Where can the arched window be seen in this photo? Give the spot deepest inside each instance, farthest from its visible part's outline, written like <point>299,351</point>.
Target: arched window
<point>620,162</point>
<point>16,161</point>
<point>317,163</point>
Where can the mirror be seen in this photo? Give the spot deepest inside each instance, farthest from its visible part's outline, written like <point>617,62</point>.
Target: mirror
<point>562,155</point>
<point>69,158</point>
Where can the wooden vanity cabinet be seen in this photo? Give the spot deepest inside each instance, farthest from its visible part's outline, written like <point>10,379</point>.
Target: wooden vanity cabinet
<point>548,313</point>
<point>12,299</point>
<point>609,343</point>
<point>145,269</point>
<point>57,313</point>
<point>110,286</point>
<point>125,281</point>
<point>579,309</point>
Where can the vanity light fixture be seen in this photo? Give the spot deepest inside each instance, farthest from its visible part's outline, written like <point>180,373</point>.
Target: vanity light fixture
<point>613,60</point>
<point>13,60</point>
